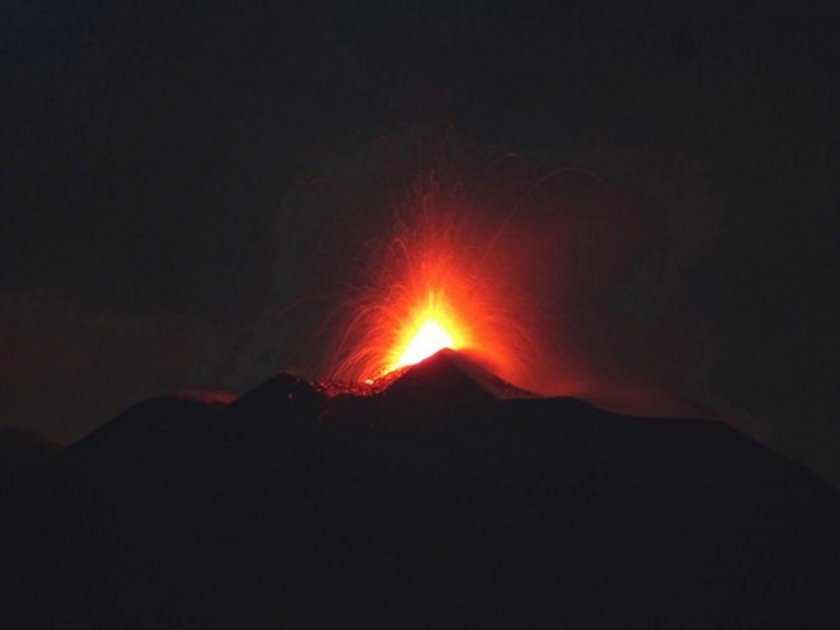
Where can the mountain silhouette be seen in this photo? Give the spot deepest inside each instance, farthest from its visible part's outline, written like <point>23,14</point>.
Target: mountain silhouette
<point>448,498</point>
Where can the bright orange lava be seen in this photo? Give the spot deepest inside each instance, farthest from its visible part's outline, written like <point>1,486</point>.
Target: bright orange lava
<point>431,329</point>
<point>428,340</point>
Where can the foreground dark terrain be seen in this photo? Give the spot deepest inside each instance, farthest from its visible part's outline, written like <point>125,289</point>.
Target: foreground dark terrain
<point>434,502</point>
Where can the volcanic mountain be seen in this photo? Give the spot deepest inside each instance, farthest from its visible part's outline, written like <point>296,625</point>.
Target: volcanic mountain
<point>448,498</point>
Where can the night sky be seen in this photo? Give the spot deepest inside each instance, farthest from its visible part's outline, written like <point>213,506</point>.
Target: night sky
<point>154,153</point>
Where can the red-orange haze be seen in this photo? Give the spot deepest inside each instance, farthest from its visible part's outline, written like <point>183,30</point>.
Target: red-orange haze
<point>526,283</point>
<point>429,290</point>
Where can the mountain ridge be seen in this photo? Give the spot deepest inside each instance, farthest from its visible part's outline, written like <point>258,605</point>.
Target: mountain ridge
<point>432,502</point>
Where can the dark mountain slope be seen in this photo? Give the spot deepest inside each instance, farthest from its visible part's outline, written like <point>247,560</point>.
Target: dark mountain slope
<point>434,502</point>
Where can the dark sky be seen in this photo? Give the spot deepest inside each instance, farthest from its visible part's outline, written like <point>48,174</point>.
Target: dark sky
<point>151,149</point>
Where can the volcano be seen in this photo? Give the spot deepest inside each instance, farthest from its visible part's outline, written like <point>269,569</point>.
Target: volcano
<point>449,497</point>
